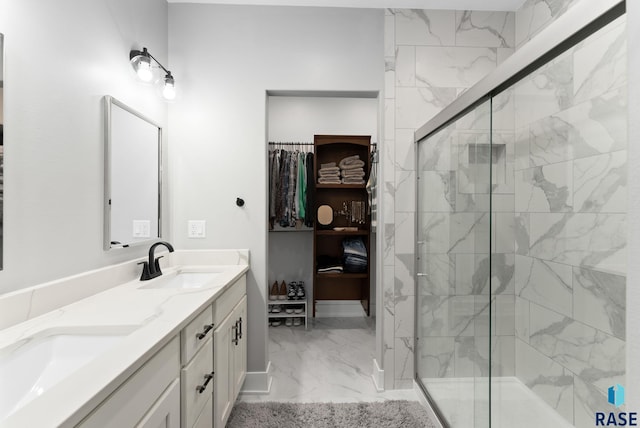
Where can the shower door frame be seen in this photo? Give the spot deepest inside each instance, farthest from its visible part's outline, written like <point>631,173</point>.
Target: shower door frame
<point>575,25</point>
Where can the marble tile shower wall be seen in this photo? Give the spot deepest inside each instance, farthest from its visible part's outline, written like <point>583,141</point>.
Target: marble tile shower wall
<point>430,58</point>
<point>454,216</point>
<point>534,15</point>
<point>570,233</point>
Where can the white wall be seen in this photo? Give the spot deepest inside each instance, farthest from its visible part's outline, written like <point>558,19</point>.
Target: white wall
<point>227,57</point>
<point>299,118</point>
<point>61,58</point>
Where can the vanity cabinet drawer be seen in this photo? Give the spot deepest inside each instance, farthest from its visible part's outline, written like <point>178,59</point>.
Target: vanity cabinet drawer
<point>230,298</point>
<point>194,335</point>
<point>197,382</point>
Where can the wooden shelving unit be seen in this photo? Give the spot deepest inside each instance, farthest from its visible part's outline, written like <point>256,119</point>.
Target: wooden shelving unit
<point>328,242</point>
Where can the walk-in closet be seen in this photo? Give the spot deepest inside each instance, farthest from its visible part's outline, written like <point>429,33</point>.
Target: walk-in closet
<point>295,120</point>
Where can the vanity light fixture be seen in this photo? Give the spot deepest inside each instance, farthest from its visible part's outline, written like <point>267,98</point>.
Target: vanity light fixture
<point>141,63</point>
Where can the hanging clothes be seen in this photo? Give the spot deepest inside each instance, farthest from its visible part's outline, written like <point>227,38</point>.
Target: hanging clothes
<point>372,190</point>
<point>289,187</point>
<point>310,193</point>
<point>302,187</point>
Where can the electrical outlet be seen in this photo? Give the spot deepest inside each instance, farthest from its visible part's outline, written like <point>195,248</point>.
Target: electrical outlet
<point>196,228</point>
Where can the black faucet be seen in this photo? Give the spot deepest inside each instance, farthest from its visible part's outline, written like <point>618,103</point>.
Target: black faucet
<point>151,268</point>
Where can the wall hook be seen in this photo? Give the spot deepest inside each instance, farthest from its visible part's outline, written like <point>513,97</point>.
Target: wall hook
<point>239,202</point>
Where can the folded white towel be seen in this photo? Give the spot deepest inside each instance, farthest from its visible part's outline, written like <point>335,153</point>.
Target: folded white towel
<point>349,159</point>
<point>329,180</point>
<point>353,172</point>
<point>333,170</point>
<point>327,165</point>
<point>352,180</point>
<point>353,165</point>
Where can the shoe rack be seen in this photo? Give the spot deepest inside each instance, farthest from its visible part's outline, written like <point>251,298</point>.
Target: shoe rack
<point>285,311</point>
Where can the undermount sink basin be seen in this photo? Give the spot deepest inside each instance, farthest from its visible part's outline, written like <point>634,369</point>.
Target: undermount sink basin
<point>182,280</point>
<point>34,365</point>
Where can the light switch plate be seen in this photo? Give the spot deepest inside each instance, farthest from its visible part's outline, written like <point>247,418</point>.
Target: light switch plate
<point>196,228</point>
<point>141,228</point>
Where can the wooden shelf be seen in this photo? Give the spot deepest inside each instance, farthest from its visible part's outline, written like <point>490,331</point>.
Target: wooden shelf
<point>328,242</point>
<point>293,229</point>
<point>343,275</point>
<point>343,232</point>
<point>340,186</point>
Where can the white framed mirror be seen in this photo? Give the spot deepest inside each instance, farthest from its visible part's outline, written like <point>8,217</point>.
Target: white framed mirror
<point>133,171</point>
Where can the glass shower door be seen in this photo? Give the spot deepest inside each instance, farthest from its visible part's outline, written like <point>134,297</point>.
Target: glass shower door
<point>453,351</point>
<point>521,247</point>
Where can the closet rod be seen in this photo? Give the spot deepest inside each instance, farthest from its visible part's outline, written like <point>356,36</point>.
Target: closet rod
<point>273,143</point>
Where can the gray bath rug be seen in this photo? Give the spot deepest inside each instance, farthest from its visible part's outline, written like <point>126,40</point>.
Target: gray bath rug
<point>384,414</point>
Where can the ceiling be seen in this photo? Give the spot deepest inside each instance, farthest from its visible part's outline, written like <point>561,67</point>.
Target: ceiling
<point>378,4</point>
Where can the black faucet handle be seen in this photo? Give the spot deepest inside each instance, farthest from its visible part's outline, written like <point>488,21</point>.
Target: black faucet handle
<point>146,275</point>
<point>156,265</point>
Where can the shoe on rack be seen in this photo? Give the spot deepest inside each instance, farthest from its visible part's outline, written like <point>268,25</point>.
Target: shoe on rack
<point>300,293</point>
<point>298,309</point>
<point>297,322</point>
<point>282,294</point>
<point>276,322</point>
<point>273,291</point>
<point>289,309</point>
<point>292,290</point>
<point>289,322</point>
<point>275,309</point>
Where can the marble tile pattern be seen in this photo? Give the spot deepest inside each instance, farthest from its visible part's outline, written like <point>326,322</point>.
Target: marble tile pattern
<point>330,362</point>
<point>570,221</point>
<point>460,323</point>
<point>534,15</point>
<point>559,241</point>
<point>558,225</point>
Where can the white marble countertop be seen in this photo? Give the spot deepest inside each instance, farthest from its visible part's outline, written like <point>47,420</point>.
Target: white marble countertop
<point>154,317</point>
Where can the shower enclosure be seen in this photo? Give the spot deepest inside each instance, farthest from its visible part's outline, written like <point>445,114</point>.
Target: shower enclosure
<point>521,262</point>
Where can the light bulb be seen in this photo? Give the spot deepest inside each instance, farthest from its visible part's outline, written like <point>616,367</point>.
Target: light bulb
<point>169,90</point>
<point>144,70</point>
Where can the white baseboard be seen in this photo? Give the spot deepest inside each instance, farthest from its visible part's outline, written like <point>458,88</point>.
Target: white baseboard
<point>423,400</point>
<point>378,376</point>
<point>339,308</point>
<point>258,382</point>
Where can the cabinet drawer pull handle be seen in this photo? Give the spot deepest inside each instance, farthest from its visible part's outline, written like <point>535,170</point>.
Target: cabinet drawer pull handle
<point>235,334</point>
<point>207,329</point>
<point>240,333</point>
<point>422,274</point>
<point>207,379</point>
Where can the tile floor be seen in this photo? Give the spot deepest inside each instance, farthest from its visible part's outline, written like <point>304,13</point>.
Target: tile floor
<point>332,361</point>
